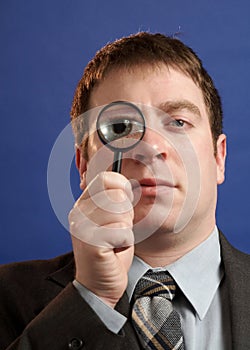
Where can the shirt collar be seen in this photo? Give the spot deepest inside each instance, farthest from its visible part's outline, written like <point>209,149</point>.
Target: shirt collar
<point>198,273</point>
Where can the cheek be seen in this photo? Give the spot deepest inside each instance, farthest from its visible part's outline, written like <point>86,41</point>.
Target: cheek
<point>100,158</point>
<point>200,164</point>
<point>94,144</point>
<point>207,163</point>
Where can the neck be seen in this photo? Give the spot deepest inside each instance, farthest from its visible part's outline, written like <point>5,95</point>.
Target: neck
<point>164,248</point>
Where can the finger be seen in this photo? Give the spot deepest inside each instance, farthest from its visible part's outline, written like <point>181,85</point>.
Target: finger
<point>115,235</point>
<point>98,217</point>
<point>110,201</point>
<point>105,181</point>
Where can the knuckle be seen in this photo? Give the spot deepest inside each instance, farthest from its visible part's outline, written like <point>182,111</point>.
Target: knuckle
<point>101,177</point>
<point>73,214</point>
<point>122,225</point>
<point>121,195</point>
<point>116,195</point>
<point>70,215</point>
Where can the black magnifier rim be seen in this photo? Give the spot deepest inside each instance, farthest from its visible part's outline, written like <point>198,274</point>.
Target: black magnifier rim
<point>130,104</point>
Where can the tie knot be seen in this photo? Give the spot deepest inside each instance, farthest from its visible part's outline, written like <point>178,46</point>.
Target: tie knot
<point>156,284</point>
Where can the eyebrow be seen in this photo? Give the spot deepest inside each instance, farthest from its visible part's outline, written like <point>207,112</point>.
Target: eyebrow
<point>175,106</point>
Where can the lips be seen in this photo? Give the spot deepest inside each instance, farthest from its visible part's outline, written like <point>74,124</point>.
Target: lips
<point>152,186</point>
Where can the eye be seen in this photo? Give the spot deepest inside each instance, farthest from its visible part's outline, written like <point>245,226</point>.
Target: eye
<point>178,122</point>
<point>121,128</point>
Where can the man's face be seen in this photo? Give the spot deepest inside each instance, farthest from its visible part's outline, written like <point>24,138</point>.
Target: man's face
<point>175,163</point>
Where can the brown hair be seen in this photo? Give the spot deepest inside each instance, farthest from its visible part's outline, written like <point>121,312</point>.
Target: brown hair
<point>136,50</point>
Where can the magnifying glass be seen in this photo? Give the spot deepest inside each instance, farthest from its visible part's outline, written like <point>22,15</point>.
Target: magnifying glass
<point>120,126</point>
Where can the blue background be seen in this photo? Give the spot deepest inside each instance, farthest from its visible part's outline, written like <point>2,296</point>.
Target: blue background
<point>44,48</point>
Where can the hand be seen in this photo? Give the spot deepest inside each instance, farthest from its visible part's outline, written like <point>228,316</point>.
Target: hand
<point>101,228</point>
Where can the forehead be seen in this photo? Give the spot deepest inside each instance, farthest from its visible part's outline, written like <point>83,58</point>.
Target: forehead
<point>149,85</point>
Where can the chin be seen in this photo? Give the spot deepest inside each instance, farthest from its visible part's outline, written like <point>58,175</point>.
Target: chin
<point>149,225</point>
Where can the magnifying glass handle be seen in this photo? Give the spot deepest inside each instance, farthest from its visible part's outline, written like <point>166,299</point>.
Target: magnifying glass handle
<point>117,164</point>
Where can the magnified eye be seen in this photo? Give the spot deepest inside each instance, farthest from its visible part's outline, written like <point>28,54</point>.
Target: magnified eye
<point>121,128</point>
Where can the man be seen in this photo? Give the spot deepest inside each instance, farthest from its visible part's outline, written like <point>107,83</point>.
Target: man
<point>158,215</point>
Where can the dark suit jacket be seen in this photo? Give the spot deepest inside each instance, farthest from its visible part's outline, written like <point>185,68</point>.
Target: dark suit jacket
<point>40,309</point>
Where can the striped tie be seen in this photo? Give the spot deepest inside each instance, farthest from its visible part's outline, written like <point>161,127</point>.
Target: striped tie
<point>156,322</point>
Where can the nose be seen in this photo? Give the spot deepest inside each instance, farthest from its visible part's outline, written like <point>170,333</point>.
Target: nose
<point>151,148</point>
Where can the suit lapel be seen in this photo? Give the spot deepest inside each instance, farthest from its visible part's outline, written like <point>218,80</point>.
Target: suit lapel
<point>65,274</point>
<point>237,282</point>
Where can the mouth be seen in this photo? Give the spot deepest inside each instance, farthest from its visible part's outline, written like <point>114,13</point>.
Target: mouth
<point>151,186</point>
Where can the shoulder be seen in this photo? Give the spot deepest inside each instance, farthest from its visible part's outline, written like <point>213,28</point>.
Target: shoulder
<point>27,287</point>
<point>26,269</point>
<point>29,281</point>
<point>230,251</point>
<point>233,259</point>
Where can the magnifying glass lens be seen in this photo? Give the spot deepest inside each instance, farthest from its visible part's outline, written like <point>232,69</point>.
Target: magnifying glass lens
<point>120,126</point>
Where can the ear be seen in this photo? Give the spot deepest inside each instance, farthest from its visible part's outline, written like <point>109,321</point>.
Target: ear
<point>81,164</point>
<point>221,158</point>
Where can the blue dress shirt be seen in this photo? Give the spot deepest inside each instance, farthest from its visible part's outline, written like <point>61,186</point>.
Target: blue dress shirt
<point>204,313</point>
